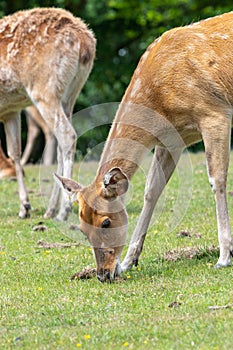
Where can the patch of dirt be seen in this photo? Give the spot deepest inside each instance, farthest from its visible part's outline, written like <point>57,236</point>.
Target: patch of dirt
<point>189,253</point>
<point>50,245</point>
<point>174,304</point>
<point>89,272</point>
<point>86,273</point>
<point>40,228</point>
<point>184,233</point>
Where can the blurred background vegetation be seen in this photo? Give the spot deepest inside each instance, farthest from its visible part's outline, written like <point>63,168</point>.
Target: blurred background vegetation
<point>123,30</point>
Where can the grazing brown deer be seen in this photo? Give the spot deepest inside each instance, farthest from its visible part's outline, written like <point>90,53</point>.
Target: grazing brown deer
<point>180,93</point>
<point>35,123</point>
<point>46,55</point>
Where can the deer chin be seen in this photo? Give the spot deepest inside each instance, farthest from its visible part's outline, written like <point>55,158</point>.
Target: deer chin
<point>107,276</point>
<point>108,263</point>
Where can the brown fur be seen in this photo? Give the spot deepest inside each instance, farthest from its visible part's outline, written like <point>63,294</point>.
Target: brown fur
<point>183,83</point>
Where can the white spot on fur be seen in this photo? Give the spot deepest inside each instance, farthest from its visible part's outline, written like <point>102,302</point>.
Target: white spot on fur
<point>136,87</point>
<point>191,47</point>
<point>212,183</point>
<point>201,36</point>
<point>144,57</point>
<point>220,36</point>
<point>11,51</point>
<point>118,129</point>
<point>148,91</point>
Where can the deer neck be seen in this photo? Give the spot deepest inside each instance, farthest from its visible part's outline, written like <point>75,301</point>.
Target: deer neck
<point>130,137</point>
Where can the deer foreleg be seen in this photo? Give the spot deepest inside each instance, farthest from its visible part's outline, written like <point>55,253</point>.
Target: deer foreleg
<point>66,139</point>
<point>217,147</point>
<point>162,167</point>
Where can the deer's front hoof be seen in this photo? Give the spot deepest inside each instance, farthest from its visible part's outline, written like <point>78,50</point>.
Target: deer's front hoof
<point>25,211</point>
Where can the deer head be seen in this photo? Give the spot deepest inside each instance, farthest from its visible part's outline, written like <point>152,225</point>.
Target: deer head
<point>103,218</point>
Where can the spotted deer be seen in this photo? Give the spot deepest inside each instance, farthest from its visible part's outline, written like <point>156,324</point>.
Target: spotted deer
<point>46,55</point>
<point>181,92</point>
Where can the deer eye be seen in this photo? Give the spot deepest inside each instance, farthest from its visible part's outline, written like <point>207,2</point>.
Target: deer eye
<point>106,223</point>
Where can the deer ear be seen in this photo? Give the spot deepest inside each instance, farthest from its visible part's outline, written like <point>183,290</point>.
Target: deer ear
<point>70,187</point>
<point>115,183</point>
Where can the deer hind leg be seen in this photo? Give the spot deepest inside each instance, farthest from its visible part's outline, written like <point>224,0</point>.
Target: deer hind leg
<point>54,197</point>
<point>35,123</point>
<point>65,134</point>
<point>56,110</point>
<point>161,169</point>
<point>13,137</point>
<point>217,148</point>
<point>50,148</point>
<point>68,155</point>
<point>33,132</point>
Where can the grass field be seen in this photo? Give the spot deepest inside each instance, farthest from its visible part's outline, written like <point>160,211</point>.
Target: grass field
<point>174,299</point>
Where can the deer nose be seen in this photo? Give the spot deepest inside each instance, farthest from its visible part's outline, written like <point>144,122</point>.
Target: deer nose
<point>104,275</point>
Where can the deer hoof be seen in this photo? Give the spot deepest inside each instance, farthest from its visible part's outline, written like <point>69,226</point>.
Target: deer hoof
<point>219,265</point>
<point>25,211</point>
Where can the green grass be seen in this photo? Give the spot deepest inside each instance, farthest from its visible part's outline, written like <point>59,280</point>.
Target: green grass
<point>41,308</point>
